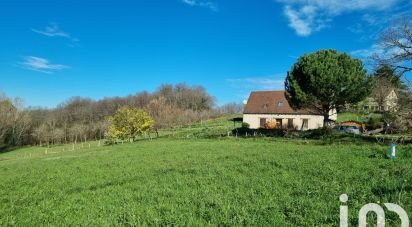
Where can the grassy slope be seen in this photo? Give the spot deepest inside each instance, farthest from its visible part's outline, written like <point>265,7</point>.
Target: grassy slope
<point>349,116</point>
<point>199,182</point>
<point>346,116</point>
<point>213,127</point>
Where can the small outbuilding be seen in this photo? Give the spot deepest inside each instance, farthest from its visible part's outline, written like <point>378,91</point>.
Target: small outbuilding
<point>357,124</point>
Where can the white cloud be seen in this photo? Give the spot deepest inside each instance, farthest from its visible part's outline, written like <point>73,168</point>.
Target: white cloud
<point>41,65</point>
<point>301,20</point>
<point>370,25</point>
<point>306,17</point>
<point>53,30</point>
<point>375,49</point>
<point>206,4</point>
<point>383,50</point>
<point>371,19</point>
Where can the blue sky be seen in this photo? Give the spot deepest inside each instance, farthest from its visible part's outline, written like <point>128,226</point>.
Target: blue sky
<point>53,50</point>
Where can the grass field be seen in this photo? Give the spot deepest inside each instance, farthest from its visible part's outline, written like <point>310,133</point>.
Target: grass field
<point>194,182</point>
<point>210,128</point>
<point>347,116</point>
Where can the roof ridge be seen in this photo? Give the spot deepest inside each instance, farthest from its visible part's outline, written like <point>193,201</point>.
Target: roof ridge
<point>269,91</point>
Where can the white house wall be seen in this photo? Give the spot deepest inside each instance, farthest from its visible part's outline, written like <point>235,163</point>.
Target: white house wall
<point>314,121</point>
<point>333,115</point>
<point>391,101</point>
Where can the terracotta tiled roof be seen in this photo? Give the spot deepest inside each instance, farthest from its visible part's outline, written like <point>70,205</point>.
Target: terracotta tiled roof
<point>271,102</point>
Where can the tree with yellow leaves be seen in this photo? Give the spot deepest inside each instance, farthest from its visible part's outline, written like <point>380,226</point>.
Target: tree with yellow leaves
<point>127,123</point>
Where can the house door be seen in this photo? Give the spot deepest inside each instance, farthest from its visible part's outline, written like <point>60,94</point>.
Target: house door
<point>263,122</point>
<point>290,123</point>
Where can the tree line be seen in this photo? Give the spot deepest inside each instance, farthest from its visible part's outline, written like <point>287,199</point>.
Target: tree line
<point>82,119</point>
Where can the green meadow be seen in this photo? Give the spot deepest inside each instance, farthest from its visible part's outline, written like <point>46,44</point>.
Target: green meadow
<point>195,182</point>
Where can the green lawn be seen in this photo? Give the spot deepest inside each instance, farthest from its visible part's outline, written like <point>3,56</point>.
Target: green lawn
<point>198,182</point>
<point>210,128</point>
<point>347,116</point>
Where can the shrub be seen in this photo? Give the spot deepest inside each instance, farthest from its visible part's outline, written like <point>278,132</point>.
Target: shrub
<point>259,132</point>
<point>245,125</point>
<point>397,123</point>
<point>374,123</point>
<point>320,133</point>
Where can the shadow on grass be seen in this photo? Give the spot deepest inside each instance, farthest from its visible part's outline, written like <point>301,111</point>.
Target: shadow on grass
<point>6,149</point>
<point>385,190</point>
<point>322,135</point>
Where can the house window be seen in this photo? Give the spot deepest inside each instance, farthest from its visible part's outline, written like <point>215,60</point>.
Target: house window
<point>278,123</point>
<point>262,122</point>
<point>280,103</point>
<point>305,124</point>
<point>290,123</point>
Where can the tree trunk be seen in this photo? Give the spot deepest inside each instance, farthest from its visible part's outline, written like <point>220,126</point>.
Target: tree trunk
<point>326,120</point>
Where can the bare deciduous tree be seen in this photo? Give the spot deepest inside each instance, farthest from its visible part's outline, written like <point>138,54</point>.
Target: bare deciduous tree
<point>14,121</point>
<point>231,108</point>
<point>6,114</point>
<point>42,134</point>
<point>396,42</point>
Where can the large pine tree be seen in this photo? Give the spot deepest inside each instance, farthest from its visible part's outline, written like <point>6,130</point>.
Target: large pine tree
<point>326,80</point>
